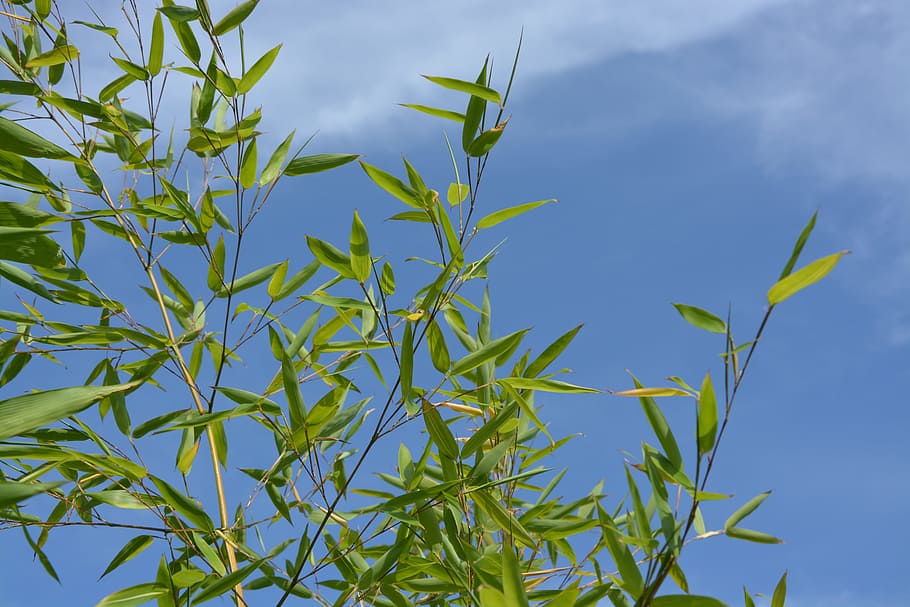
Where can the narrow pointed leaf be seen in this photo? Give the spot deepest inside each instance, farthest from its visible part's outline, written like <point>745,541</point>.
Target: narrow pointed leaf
<point>56,56</point>
<point>361,264</point>
<point>156,48</point>
<point>273,166</point>
<point>317,163</point>
<point>330,256</point>
<point>751,535</point>
<point>802,278</point>
<point>701,318</point>
<point>132,548</point>
<point>257,71</point>
<point>707,416</point>
<point>439,432</point>
<point>513,588</point>
<point>780,592</point>
<point>471,88</point>
<point>18,139</point>
<point>437,112</point>
<point>485,142</point>
<point>545,385</point>
<point>234,17</point>
<point>798,246</point>
<point>501,215</point>
<point>12,493</point>
<point>133,596</point>
<point>184,505</point>
<point>652,392</point>
<point>488,352</point>
<point>392,185</point>
<point>29,412</point>
<point>746,509</point>
<point>686,600</point>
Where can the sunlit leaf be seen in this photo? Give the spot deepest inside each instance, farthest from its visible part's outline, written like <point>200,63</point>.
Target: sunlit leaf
<point>780,592</point>
<point>56,56</point>
<point>752,536</point>
<point>685,600</point>
<point>707,416</point>
<point>546,385</point>
<point>701,318</point>
<point>437,112</point>
<point>18,139</point>
<point>392,185</point>
<point>652,392</point>
<point>746,509</point>
<point>488,352</point>
<point>305,165</point>
<point>802,278</point>
<point>361,263</point>
<point>12,493</point>
<point>32,411</point>
<point>131,549</point>
<point>234,17</point>
<point>257,71</point>
<point>471,88</point>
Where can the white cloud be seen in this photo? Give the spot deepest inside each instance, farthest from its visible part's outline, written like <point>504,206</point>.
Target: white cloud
<point>344,66</point>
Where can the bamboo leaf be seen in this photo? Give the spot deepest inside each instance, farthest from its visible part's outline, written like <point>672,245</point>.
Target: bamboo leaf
<point>257,71</point>
<point>501,215</point>
<point>802,278</point>
<point>248,166</point>
<point>250,280</point>
<point>438,113</point>
<point>780,592</point>
<point>18,139</point>
<point>632,581</point>
<point>472,88</point>
<point>439,353</point>
<point>475,112</point>
<point>184,505</point>
<point>156,48</point>
<point>392,185</point>
<point>439,432</point>
<point>56,56</point>
<point>652,392</point>
<point>361,263</point>
<point>707,416</point>
<point>29,412</point>
<point>685,600</point>
<point>701,318</point>
<point>234,18</point>
<point>131,549</point>
<point>488,352</point>
<point>798,246</point>
<point>513,588</point>
<point>489,429</point>
<point>133,596</point>
<point>485,142</point>
<point>305,165</point>
<point>273,166</point>
<point>746,509</point>
<point>752,536</point>
<point>12,493</point>
<point>545,385</point>
<point>330,256</point>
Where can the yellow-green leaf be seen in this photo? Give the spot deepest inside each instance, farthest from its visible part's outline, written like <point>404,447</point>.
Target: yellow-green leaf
<point>802,278</point>
<point>503,214</point>
<point>361,264</point>
<point>701,318</point>
<point>257,71</point>
<point>56,56</point>
<point>707,416</point>
<point>652,392</point>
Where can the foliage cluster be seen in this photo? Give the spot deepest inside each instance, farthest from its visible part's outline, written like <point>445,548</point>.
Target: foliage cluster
<point>472,517</point>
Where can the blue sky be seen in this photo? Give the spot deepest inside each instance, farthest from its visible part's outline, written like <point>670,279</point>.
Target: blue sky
<point>687,142</point>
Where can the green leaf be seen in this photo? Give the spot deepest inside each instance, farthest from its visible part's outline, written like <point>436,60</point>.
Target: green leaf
<point>277,280</point>
<point>110,31</point>
<point>475,112</point>
<point>501,215</point>
<point>545,385</point>
<point>12,493</point>
<point>56,56</point>
<point>132,548</point>
<point>502,517</point>
<point>215,277</point>
<point>488,352</point>
<point>489,429</point>
<point>20,140</point>
<point>752,536</point>
<point>652,392</point>
<point>685,600</point>
<point>250,280</point>
<point>136,71</point>
<point>746,509</point>
<point>632,581</point>
<point>17,87</point>
<point>472,88</point>
<point>184,505</point>
<point>179,14</point>
<point>30,246</point>
<point>330,256</point>
<point>798,246</point>
<point>14,167</point>
<point>209,554</point>
<point>392,185</point>
<point>115,86</point>
<point>133,596</point>
<point>305,165</point>
<point>248,166</point>
<point>513,588</point>
<point>156,48</point>
<point>439,432</point>
<point>273,166</point>
<point>387,279</point>
<point>406,363</point>
<point>187,39</point>
<point>660,426</point>
<point>293,283</point>
<point>457,193</point>
<point>486,140</point>
<point>439,353</point>
<point>29,412</point>
<point>707,416</point>
<point>235,17</point>
<point>780,592</point>
<point>438,113</point>
<point>701,318</point>
<point>550,353</point>
<point>802,278</point>
<point>361,263</point>
<point>257,71</point>
<point>296,408</point>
